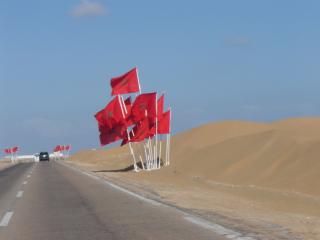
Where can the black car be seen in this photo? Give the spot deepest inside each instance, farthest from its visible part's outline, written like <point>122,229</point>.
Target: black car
<point>44,156</point>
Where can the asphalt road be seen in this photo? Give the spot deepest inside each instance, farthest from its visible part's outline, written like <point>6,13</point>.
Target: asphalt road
<point>49,201</point>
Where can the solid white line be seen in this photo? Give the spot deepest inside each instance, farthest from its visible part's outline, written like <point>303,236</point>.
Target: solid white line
<point>6,219</point>
<point>228,233</point>
<point>25,182</point>
<point>19,194</point>
<point>116,186</point>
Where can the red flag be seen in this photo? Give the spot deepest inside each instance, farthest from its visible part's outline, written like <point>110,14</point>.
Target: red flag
<point>68,147</point>
<point>7,151</point>
<point>127,83</point>
<point>15,149</point>
<point>128,105</point>
<point>109,135</point>
<point>140,131</point>
<point>164,123</point>
<point>160,105</point>
<point>144,105</point>
<point>111,115</point>
<point>57,148</point>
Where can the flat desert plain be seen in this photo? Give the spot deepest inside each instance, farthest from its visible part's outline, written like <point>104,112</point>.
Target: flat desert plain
<point>261,179</point>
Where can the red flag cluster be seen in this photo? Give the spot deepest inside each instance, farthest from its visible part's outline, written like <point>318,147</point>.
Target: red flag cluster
<point>132,122</point>
<point>11,150</point>
<point>60,148</point>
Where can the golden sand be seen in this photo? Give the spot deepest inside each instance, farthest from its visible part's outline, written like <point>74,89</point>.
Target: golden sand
<point>259,173</point>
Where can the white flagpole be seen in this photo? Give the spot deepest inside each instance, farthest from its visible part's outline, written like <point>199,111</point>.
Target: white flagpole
<point>156,140</point>
<point>69,150</point>
<point>126,112</point>
<point>169,136</point>
<point>166,162</point>
<point>155,157</point>
<point>138,80</point>
<point>146,156</point>
<point>160,154</point>
<point>128,135</point>
<point>141,160</point>
<point>151,153</point>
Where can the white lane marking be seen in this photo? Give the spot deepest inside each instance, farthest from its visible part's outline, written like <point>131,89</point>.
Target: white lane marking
<point>132,193</point>
<point>6,219</point>
<point>228,233</point>
<point>19,194</point>
<point>25,182</point>
<point>116,187</point>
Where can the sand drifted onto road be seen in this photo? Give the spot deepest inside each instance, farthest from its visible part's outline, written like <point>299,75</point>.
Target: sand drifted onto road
<point>262,179</point>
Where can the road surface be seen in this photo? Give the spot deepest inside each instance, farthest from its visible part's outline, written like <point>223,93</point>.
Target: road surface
<point>50,201</point>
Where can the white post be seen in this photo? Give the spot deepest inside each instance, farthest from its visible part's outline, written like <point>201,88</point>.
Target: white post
<point>138,81</point>
<point>160,154</point>
<point>155,157</point>
<point>146,156</point>
<point>141,160</point>
<point>150,153</point>
<point>167,146</point>
<point>156,137</point>
<point>169,149</point>
<point>169,135</point>
<point>128,135</point>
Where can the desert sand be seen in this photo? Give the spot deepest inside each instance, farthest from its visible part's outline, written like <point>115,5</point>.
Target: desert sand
<point>262,179</point>
<point>4,163</point>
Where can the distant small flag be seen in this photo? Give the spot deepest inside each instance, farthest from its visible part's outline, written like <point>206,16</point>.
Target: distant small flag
<point>57,148</point>
<point>15,149</point>
<point>7,151</point>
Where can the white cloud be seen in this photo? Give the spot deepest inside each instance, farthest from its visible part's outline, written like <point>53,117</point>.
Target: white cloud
<point>88,8</point>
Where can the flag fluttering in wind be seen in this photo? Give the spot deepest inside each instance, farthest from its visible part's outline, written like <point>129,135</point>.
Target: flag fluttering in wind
<point>109,135</point>
<point>7,151</point>
<point>144,106</point>
<point>164,123</point>
<point>57,148</point>
<point>160,105</point>
<point>141,120</point>
<point>15,149</point>
<point>140,131</point>
<point>127,83</point>
<point>111,115</point>
<point>111,122</point>
<point>11,150</point>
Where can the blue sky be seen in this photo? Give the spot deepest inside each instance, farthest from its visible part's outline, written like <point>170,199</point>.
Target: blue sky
<point>215,60</point>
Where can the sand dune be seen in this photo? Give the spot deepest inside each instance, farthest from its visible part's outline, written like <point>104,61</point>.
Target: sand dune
<point>259,175</point>
<point>282,155</point>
